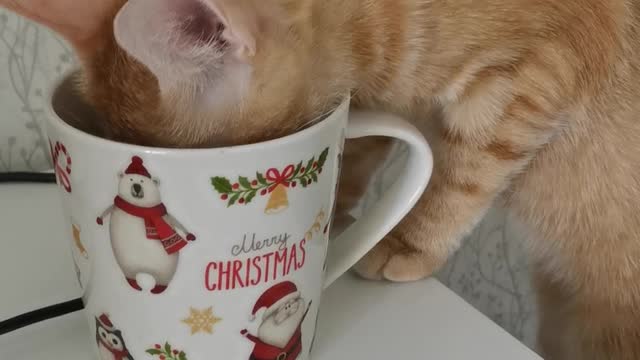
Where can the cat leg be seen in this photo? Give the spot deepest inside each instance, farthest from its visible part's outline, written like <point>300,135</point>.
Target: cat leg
<point>575,325</point>
<point>494,122</point>
<point>605,333</point>
<point>553,299</point>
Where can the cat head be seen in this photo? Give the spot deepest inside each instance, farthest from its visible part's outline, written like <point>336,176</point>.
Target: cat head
<point>205,72</point>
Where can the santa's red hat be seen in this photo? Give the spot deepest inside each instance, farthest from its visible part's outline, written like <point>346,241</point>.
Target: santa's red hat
<point>105,322</point>
<point>274,297</point>
<point>137,168</point>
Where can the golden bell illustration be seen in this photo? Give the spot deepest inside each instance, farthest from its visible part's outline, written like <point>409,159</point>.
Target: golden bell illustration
<point>278,201</point>
<point>316,227</point>
<point>77,241</point>
<point>319,220</point>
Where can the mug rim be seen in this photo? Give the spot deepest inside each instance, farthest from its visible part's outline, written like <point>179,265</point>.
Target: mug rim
<point>55,120</point>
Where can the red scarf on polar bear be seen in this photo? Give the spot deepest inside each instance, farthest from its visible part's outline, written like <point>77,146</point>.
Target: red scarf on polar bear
<point>157,227</point>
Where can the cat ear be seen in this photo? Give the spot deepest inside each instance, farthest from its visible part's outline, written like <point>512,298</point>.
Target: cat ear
<point>186,40</point>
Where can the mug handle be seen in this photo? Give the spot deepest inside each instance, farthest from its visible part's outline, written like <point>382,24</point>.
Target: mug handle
<point>361,236</point>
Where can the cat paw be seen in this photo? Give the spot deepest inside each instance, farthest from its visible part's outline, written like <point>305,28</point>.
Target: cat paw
<point>397,261</point>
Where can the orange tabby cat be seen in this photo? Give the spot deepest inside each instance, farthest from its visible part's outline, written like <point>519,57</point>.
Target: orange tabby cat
<point>535,102</point>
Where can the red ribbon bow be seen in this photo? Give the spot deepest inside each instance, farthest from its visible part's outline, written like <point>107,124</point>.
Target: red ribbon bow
<point>280,178</point>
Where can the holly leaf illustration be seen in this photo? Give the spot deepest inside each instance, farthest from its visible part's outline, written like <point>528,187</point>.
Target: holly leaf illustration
<point>167,348</point>
<point>323,157</point>
<point>297,170</point>
<point>182,356</point>
<point>304,182</point>
<point>261,179</point>
<point>222,185</point>
<point>250,196</point>
<point>244,182</point>
<point>233,199</point>
<point>310,164</point>
<point>314,177</point>
<point>154,352</point>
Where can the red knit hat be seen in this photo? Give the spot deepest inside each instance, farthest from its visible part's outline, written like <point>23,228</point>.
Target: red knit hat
<point>136,167</point>
<point>105,322</point>
<point>274,297</point>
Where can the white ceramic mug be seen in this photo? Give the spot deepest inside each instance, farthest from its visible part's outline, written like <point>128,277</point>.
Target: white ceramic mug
<point>216,253</point>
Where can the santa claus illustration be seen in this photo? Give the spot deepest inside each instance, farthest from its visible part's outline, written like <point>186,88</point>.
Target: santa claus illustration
<point>279,336</point>
<point>145,238</point>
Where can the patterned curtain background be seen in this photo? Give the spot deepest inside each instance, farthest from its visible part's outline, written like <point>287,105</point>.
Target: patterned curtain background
<point>30,59</point>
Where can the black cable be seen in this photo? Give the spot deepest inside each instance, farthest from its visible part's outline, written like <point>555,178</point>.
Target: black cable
<point>49,312</point>
<point>40,315</point>
<point>27,177</point>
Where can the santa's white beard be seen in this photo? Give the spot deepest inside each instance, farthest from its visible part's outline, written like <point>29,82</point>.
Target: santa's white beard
<point>277,330</point>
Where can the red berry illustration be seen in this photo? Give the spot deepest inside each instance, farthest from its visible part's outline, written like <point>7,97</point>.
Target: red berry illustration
<point>157,346</point>
<point>267,181</point>
<point>162,357</point>
<point>175,352</point>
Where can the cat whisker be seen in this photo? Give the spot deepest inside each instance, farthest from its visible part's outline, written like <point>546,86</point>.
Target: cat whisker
<point>316,119</point>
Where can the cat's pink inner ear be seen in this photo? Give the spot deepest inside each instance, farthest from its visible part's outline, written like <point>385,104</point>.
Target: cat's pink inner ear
<point>200,23</point>
<point>180,40</point>
<point>240,28</point>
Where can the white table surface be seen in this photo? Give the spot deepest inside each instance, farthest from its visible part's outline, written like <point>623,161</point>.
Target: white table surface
<point>359,319</point>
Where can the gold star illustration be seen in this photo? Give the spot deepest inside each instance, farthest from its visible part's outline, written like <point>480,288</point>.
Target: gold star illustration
<point>201,321</point>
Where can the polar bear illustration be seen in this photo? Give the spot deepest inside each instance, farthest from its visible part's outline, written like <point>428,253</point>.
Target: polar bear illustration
<point>144,236</point>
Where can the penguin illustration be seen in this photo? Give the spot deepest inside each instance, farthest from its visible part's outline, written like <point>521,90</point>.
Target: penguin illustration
<point>111,345</point>
<point>144,236</point>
